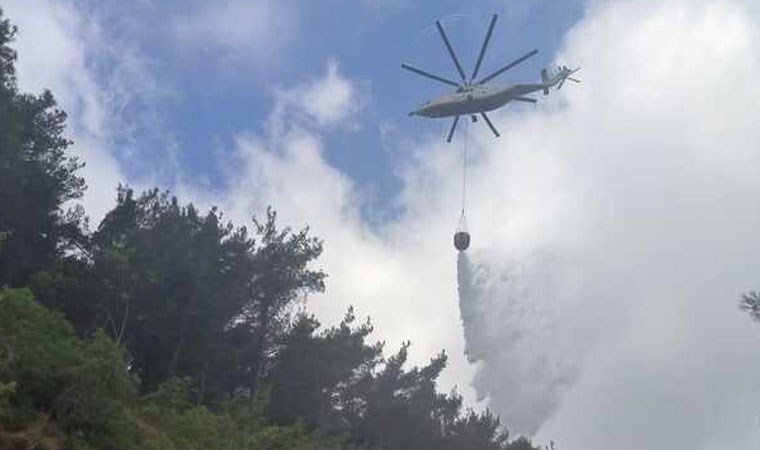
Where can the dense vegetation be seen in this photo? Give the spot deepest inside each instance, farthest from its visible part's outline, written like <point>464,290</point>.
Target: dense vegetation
<point>170,328</point>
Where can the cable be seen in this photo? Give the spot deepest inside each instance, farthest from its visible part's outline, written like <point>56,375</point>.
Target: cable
<point>465,163</point>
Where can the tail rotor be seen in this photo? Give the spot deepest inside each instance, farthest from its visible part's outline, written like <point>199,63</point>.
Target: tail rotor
<point>565,73</point>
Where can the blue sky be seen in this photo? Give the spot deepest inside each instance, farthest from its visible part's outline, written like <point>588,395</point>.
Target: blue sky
<point>614,224</point>
<point>213,92</point>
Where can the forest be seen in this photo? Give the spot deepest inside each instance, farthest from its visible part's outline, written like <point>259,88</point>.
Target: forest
<point>167,327</point>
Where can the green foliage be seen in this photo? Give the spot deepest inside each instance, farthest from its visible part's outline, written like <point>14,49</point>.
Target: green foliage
<point>280,274</point>
<point>523,443</point>
<point>82,384</point>
<point>336,382</point>
<point>292,438</point>
<point>478,431</point>
<point>98,387</point>
<point>168,328</point>
<point>177,423</point>
<point>189,295</point>
<point>36,177</point>
<point>312,371</point>
<point>71,288</point>
<point>7,54</point>
<point>6,390</point>
<point>37,349</point>
<point>196,428</point>
<point>171,396</point>
<point>330,390</point>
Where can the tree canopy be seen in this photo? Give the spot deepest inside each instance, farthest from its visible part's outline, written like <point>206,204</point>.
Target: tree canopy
<point>167,327</point>
<point>37,177</point>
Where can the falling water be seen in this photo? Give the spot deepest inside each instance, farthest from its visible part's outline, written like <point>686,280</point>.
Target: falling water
<point>509,315</point>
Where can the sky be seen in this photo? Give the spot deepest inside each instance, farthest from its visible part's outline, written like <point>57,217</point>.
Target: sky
<point>614,224</point>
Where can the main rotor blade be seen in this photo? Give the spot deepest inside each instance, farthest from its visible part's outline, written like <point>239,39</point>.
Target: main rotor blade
<point>490,125</point>
<point>573,80</point>
<point>525,99</point>
<point>453,127</point>
<point>483,48</point>
<point>429,75</point>
<point>508,66</point>
<point>451,50</point>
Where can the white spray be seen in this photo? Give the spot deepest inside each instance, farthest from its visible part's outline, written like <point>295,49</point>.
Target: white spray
<point>509,313</point>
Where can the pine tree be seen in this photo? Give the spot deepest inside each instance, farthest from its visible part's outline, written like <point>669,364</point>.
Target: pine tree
<point>37,179</point>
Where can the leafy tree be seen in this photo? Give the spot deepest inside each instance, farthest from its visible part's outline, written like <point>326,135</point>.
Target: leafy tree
<point>72,287</point>
<point>338,383</point>
<point>36,177</point>
<point>187,294</point>
<point>293,438</point>
<point>6,390</point>
<point>280,275</point>
<point>37,348</point>
<point>82,385</point>
<point>475,431</point>
<point>97,387</point>
<point>181,424</point>
<point>394,408</point>
<point>170,281</point>
<point>312,372</point>
<point>169,328</point>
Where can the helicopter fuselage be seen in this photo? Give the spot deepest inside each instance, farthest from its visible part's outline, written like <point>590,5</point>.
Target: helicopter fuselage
<point>476,99</point>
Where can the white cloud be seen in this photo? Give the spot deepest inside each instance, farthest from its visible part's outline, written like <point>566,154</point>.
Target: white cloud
<point>657,159</point>
<point>53,43</point>
<point>286,168</point>
<point>247,28</point>
<point>642,181</point>
<point>329,100</point>
<point>367,270</point>
<point>322,102</point>
<point>105,86</point>
<point>642,176</point>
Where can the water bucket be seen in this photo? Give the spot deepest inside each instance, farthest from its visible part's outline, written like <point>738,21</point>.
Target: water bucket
<point>461,240</point>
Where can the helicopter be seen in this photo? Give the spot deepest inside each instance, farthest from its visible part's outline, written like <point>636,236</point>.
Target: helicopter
<point>475,98</point>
